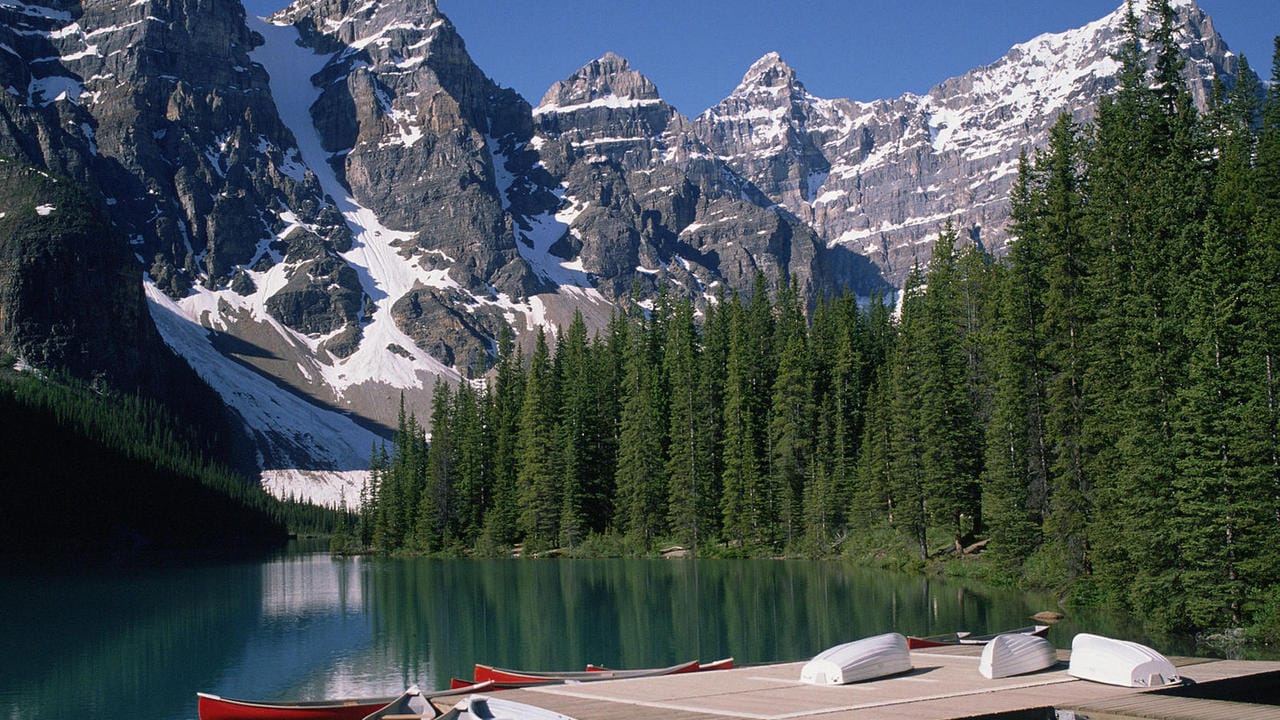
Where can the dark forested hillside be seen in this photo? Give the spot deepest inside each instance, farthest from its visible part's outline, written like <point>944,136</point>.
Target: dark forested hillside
<point>1100,405</point>
<point>90,473</point>
<point>71,300</point>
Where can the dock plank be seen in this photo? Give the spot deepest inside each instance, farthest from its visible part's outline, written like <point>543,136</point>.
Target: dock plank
<point>1163,707</point>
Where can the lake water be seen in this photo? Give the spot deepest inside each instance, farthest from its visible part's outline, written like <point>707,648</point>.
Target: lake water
<point>139,644</point>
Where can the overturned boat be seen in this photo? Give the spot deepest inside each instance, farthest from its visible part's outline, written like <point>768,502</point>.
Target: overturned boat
<point>1016,654</point>
<point>487,707</point>
<point>859,660</point>
<point>1119,662</point>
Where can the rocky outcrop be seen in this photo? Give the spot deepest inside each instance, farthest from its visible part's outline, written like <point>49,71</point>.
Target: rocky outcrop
<point>70,293</point>
<point>451,326</point>
<point>322,298</point>
<point>71,300</point>
<point>413,127</point>
<point>157,107</point>
<point>649,207</point>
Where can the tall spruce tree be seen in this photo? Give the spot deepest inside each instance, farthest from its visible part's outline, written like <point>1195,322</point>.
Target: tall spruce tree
<point>742,506</point>
<point>713,363</point>
<point>1015,480</point>
<point>1119,160</point>
<point>791,426</point>
<point>506,400</point>
<point>686,469</point>
<point>639,478</point>
<point>435,503</point>
<point>538,481</point>
<point>473,466</point>
<point>575,431</point>
<point>947,417</point>
<point>1062,355</point>
<point>909,469</point>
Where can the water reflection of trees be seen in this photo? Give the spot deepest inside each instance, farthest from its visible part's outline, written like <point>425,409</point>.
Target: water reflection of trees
<point>450,614</point>
<point>121,644</point>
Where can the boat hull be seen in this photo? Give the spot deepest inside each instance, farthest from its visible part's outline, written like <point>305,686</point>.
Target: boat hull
<point>486,707</point>
<point>722,664</point>
<point>1016,654</point>
<point>865,659</point>
<point>213,707</point>
<point>1119,662</point>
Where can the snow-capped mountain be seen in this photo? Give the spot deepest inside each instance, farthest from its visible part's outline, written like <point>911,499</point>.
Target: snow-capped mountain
<point>335,207</point>
<point>880,178</point>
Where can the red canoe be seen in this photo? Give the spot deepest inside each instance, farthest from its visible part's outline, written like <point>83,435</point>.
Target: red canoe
<point>966,638</point>
<point>503,676</point>
<point>213,707</point>
<point>462,686</point>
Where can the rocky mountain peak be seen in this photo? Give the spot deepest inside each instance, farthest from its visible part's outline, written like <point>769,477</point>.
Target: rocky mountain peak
<point>401,27</point>
<point>878,178</point>
<point>770,73</point>
<point>607,80</point>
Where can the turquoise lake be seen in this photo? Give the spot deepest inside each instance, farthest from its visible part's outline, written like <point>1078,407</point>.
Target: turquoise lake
<point>140,643</point>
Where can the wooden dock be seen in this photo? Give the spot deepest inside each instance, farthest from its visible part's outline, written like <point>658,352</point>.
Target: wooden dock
<point>944,685</point>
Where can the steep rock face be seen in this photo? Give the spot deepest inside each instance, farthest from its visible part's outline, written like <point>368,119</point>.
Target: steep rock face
<point>605,109</point>
<point>71,298</point>
<point>67,283</point>
<point>157,106</point>
<point>647,205</point>
<point>785,128</point>
<point>412,126</point>
<point>156,109</point>
<point>880,178</point>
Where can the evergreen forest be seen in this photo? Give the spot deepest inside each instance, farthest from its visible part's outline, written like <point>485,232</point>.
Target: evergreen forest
<point>91,472</point>
<point>1099,406</point>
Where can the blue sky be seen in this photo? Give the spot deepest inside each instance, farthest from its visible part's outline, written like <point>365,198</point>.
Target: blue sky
<point>697,50</point>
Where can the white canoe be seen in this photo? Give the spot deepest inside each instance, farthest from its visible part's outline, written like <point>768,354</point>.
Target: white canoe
<point>864,659</point>
<point>1016,654</point>
<point>487,707</point>
<point>1119,662</point>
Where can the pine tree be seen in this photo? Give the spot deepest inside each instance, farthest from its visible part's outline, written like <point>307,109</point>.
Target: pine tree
<point>872,498</point>
<point>640,480</point>
<point>370,530</point>
<point>435,504</point>
<point>837,339</point>
<point>791,421</point>
<point>1222,523</point>
<point>1062,355</point>
<point>712,364</point>
<point>742,506</point>
<point>908,468</point>
<point>473,466</point>
<point>1015,476</point>
<point>1119,161</point>
<point>575,432</point>
<point>946,415</point>
<point>538,482</point>
<point>506,401</point>
<point>685,469</point>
